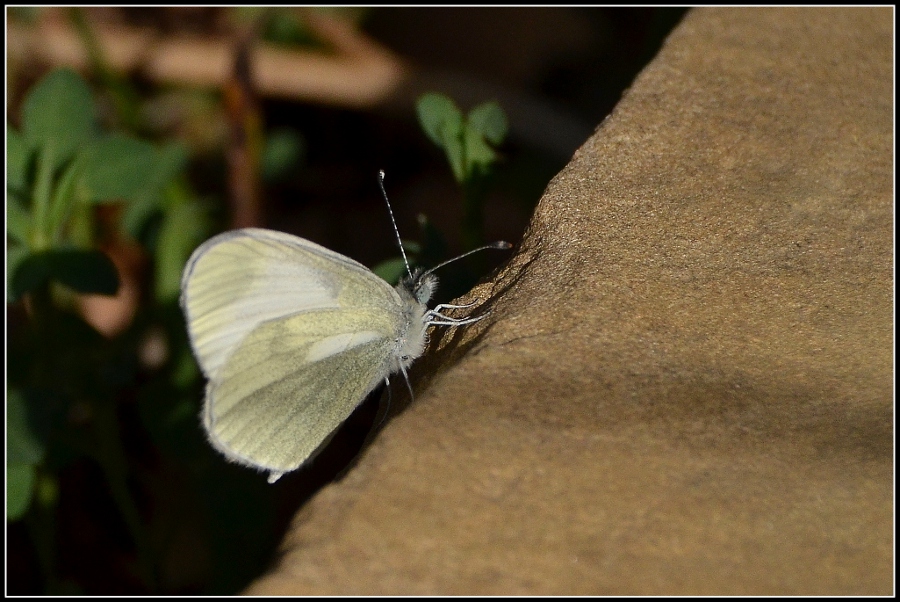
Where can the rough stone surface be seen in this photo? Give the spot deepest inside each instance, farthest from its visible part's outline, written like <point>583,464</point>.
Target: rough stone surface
<point>685,383</point>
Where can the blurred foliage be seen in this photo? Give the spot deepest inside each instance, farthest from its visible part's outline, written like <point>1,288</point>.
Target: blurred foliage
<point>467,142</point>
<point>111,485</point>
<point>111,416</point>
<point>104,425</point>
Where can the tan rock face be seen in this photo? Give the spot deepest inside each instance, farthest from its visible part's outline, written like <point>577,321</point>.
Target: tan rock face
<point>685,382</point>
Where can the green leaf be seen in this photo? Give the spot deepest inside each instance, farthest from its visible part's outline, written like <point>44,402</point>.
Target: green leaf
<point>477,151</point>
<point>455,151</point>
<point>439,117</point>
<point>117,168</point>
<point>22,446</point>
<point>490,120</point>
<point>86,271</point>
<point>183,228</point>
<point>58,115</point>
<point>18,217</point>
<point>391,270</point>
<point>19,489</point>
<point>18,220</point>
<point>170,162</point>
<point>18,156</point>
<point>63,199</point>
<point>30,273</point>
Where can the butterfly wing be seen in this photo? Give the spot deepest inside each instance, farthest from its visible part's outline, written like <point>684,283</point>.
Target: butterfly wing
<point>292,336</point>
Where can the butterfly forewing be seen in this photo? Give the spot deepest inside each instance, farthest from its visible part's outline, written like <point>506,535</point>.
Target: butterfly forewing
<point>239,279</point>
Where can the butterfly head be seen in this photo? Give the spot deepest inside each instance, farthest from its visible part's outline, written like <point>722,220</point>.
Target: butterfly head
<point>420,284</point>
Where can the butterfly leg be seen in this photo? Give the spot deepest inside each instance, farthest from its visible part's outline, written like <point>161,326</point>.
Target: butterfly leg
<point>438,308</point>
<point>435,319</point>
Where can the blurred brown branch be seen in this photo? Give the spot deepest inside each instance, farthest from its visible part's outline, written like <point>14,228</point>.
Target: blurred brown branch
<point>359,73</point>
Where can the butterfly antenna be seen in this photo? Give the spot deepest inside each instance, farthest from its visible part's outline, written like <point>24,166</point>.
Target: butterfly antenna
<point>393,221</point>
<point>500,244</point>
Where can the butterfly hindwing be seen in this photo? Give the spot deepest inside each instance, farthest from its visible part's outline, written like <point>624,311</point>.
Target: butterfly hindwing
<point>289,385</point>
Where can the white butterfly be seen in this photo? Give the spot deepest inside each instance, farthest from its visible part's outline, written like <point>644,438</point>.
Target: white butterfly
<point>292,337</point>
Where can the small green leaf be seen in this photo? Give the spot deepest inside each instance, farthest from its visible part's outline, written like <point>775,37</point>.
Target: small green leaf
<point>118,168</point>
<point>19,489</point>
<point>58,115</point>
<point>490,120</point>
<point>477,152</point>
<point>391,270</point>
<point>455,151</point>
<point>439,117</point>
<point>86,271</point>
